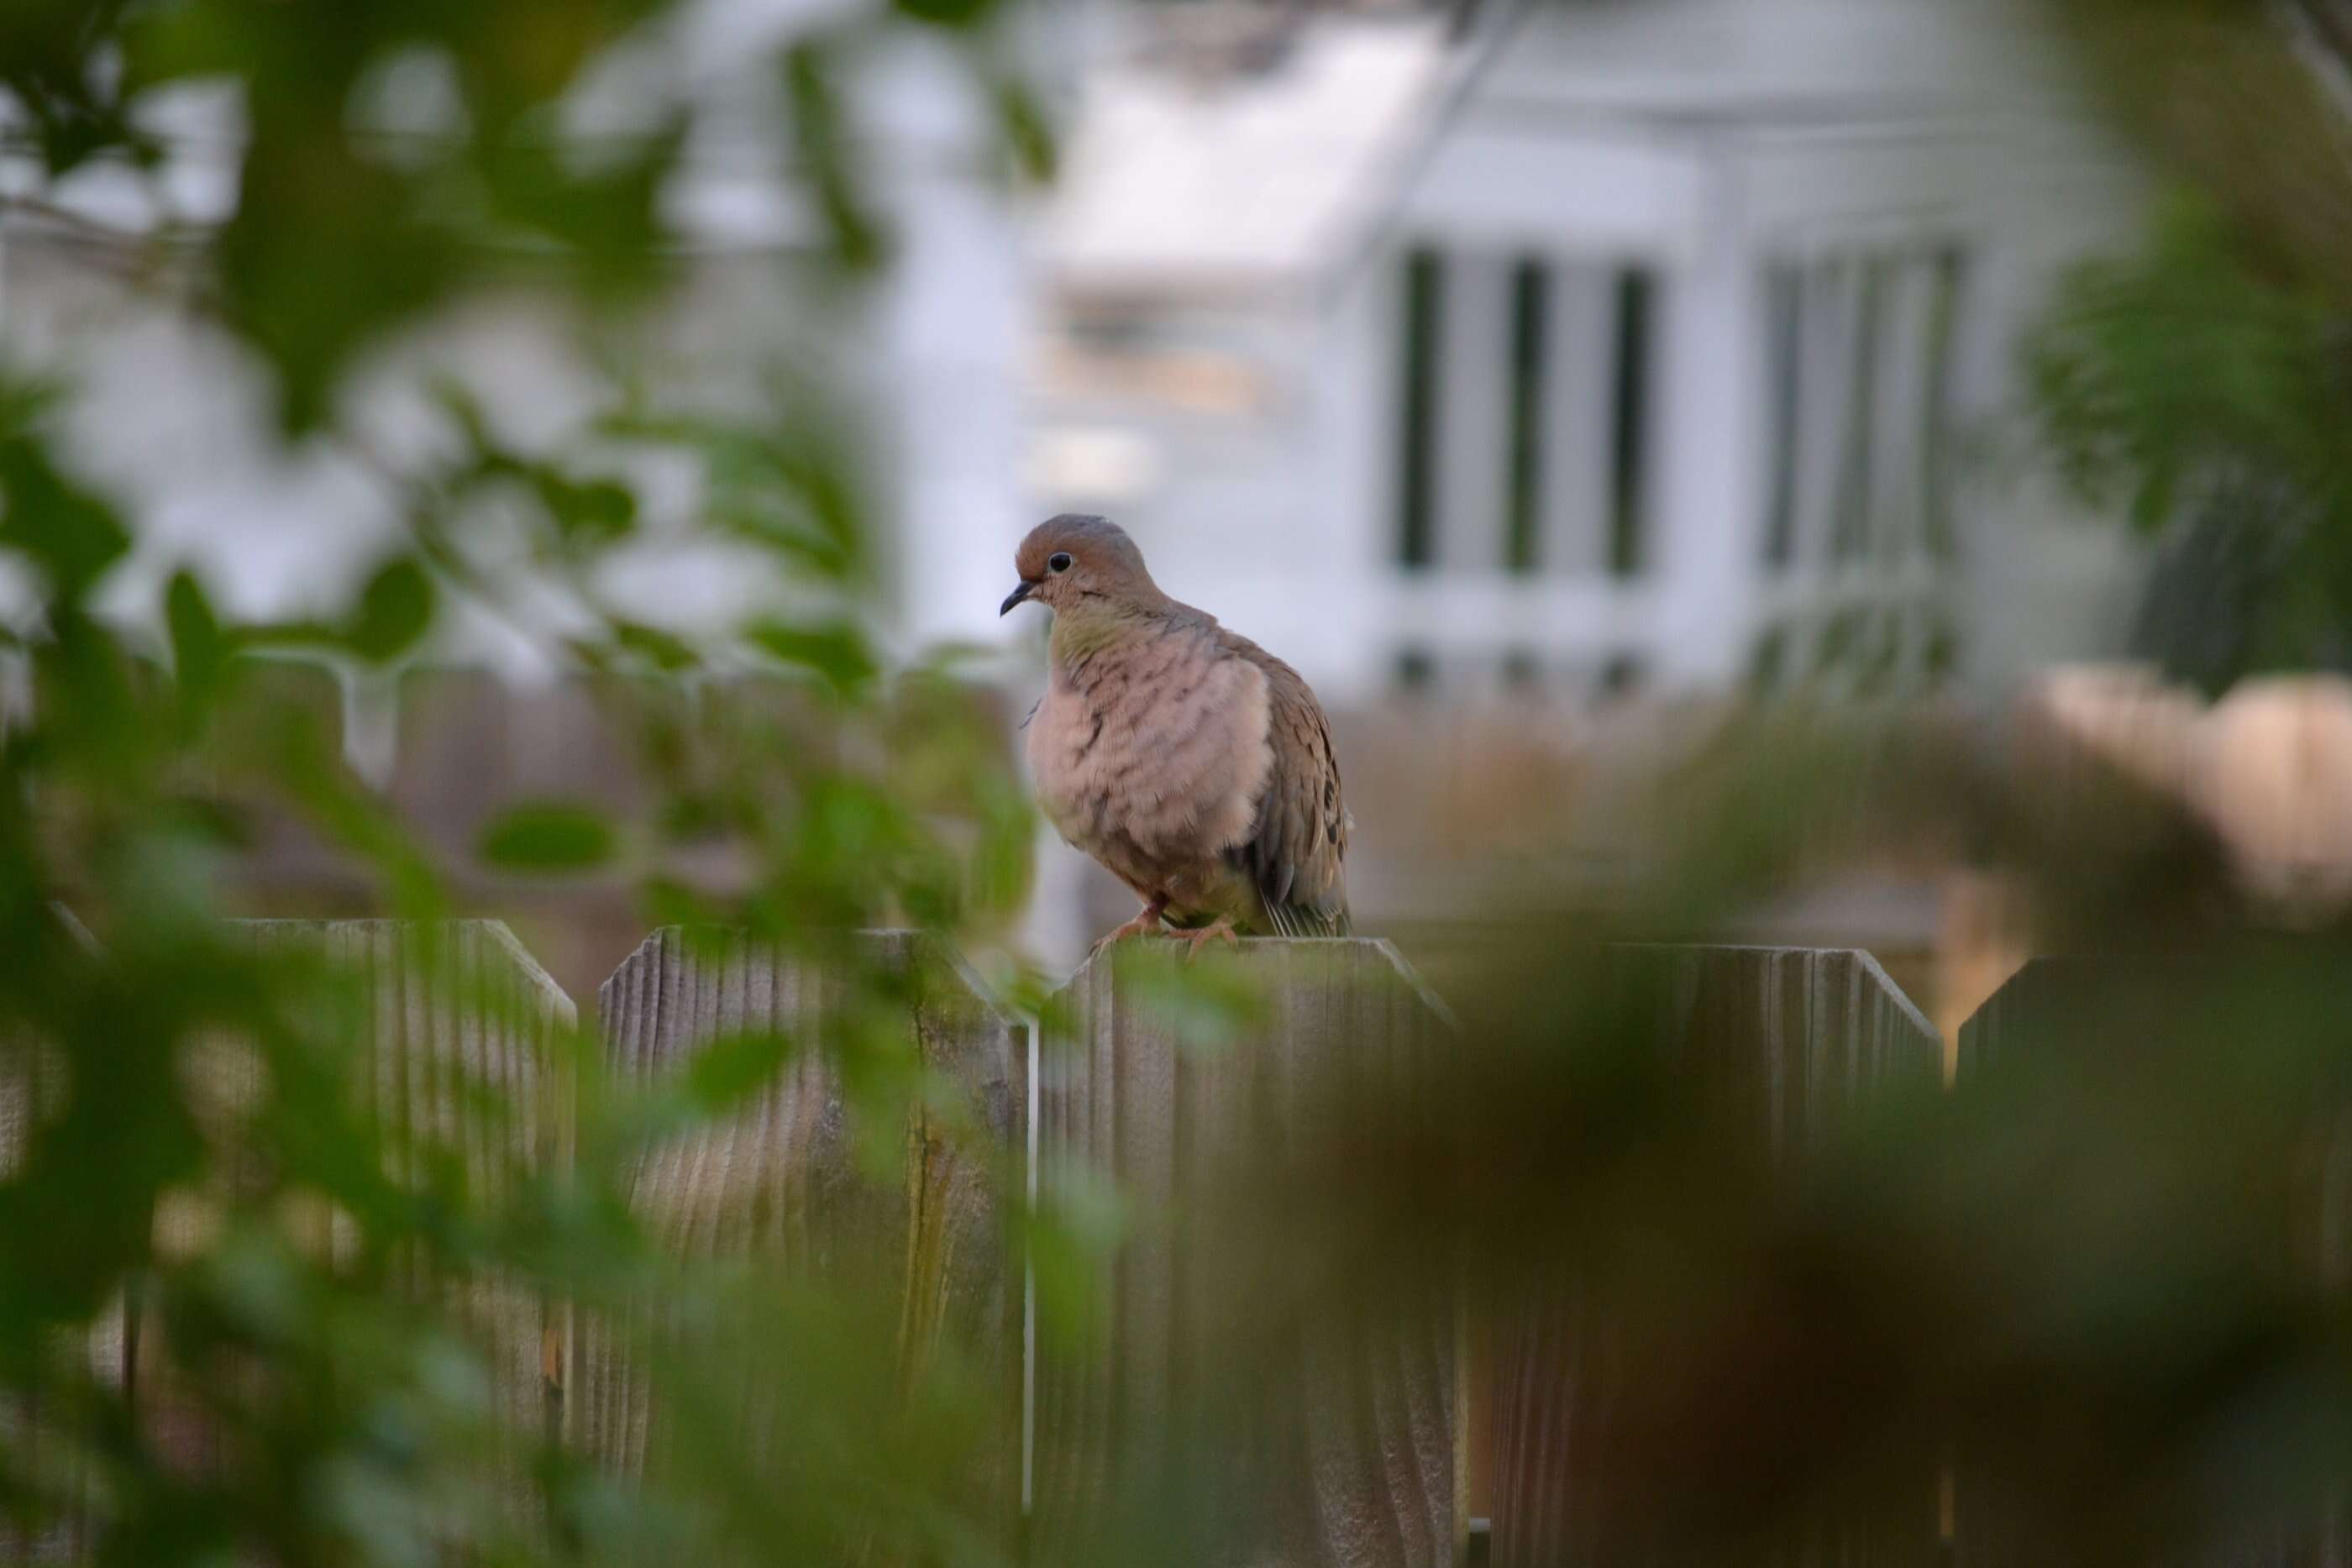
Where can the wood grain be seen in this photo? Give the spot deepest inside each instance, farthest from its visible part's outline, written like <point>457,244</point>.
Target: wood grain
<point>779,1180</point>
<point>1344,1448</point>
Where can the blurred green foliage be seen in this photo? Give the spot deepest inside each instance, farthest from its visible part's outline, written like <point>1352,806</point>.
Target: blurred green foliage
<point>2101,1284</point>
<point>2206,381</point>
<point>247,1324</point>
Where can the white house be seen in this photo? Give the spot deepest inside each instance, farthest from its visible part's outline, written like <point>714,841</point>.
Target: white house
<point>1583,345</point>
<point>1554,346</point>
<point>1612,346</point>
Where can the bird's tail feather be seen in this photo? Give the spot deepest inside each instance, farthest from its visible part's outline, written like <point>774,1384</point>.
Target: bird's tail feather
<point>1306,920</point>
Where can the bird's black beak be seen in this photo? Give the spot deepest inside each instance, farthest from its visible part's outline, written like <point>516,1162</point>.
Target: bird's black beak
<point>1016,596</point>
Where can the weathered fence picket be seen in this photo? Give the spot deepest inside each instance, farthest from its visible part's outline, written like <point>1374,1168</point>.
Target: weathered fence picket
<point>452,1060</point>
<point>1344,1448</point>
<point>779,1179</point>
<point>1800,1035</point>
<point>452,1024</point>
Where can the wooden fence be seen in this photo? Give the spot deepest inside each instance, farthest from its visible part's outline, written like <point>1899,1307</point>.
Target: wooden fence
<point>779,1178</point>
<point>1344,1445</point>
<point>1350,1451</point>
<point>1796,1038</point>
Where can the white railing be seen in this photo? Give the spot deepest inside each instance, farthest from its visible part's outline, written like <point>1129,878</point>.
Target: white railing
<point>1464,623</point>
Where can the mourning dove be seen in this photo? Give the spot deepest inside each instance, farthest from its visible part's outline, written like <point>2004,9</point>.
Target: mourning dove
<point>1191,762</point>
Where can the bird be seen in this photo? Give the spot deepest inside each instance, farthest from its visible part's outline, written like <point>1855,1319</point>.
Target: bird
<point>1190,762</point>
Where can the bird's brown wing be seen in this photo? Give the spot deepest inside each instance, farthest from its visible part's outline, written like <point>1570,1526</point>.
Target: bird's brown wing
<point>1296,855</point>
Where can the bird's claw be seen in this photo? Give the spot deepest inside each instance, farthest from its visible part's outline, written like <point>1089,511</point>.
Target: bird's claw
<point>1143,925</point>
<point>1222,929</point>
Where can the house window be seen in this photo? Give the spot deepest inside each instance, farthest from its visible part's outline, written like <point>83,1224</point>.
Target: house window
<point>1425,293</point>
<point>1530,293</point>
<point>1935,440</point>
<point>1784,315</point>
<point>1525,426</point>
<point>1857,397</point>
<point>1630,431</point>
<point>1851,527</point>
<point>1768,661</point>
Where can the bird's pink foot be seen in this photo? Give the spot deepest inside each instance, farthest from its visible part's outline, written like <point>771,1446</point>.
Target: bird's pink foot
<point>1145,923</point>
<point>1220,929</point>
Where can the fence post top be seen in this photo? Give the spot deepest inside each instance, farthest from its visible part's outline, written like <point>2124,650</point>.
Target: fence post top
<point>495,932</point>
<point>1372,958</point>
<point>1866,963</point>
<point>896,943</point>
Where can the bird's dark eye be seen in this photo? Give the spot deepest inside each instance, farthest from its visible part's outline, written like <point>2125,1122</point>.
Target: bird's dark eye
<point>1058,561</point>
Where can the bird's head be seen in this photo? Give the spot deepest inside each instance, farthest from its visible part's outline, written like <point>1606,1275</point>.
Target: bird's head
<point>1071,558</point>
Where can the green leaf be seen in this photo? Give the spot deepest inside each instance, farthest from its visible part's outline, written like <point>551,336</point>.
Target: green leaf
<point>323,255</point>
<point>591,513</point>
<point>198,645</point>
<point>1207,1005</point>
<point>1027,133</point>
<point>608,216</point>
<point>658,648</point>
<point>821,133</point>
<point>548,837</point>
<point>1077,1224</point>
<point>838,653</point>
<point>947,13</point>
<point>71,535</point>
<point>457,401</point>
<point>395,610</point>
<point>200,648</point>
<point>732,1068</point>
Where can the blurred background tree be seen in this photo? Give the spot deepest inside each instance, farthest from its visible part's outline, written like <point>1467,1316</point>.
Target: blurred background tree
<point>290,1265</point>
<point>2207,383</point>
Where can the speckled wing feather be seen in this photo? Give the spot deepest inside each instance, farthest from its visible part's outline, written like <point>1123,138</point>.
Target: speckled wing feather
<point>1297,853</point>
